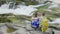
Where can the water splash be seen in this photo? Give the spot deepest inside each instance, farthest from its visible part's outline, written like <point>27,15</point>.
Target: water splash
<point>24,10</point>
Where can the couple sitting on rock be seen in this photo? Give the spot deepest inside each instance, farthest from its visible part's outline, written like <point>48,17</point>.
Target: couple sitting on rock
<point>42,21</point>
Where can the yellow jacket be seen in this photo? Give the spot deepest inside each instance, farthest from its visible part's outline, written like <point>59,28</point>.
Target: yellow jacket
<point>44,24</point>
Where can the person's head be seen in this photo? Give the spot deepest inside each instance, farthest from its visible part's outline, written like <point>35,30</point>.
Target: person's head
<point>35,14</point>
<point>43,14</point>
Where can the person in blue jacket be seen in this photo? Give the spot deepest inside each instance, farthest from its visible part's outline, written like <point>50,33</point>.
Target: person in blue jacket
<point>35,21</point>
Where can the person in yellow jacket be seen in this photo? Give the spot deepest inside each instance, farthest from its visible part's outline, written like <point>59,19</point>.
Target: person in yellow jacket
<point>44,23</point>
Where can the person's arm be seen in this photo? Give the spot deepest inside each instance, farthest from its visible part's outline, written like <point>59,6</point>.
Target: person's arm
<point>32,19</point>
<point>38,19</point>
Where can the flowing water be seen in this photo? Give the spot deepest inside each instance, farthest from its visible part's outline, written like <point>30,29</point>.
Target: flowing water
<point>22,9</point>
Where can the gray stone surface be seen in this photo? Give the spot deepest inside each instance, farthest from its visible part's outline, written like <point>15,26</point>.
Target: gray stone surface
<point>24,29</point>
<point>20,31</point>
<point>1,32</point>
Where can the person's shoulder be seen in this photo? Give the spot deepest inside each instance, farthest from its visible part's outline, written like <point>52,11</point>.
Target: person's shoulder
<point>32,17</point>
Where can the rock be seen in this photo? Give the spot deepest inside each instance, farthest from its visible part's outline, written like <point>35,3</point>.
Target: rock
<point>29,27</point>
<point>27,33</point>
<point>25,29</point>
<point>1,32</point>
<point>57,32</point>
<point>20,31</point>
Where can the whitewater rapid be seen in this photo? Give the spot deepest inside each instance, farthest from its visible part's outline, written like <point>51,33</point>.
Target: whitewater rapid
<point>22,10</point>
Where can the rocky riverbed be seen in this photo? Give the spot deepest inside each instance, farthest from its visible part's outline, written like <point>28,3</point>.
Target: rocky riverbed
<point>21,29</point>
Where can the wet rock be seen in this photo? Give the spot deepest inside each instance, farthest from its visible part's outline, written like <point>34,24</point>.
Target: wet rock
<point>1,32</point>
<point>20,31</point>
<point>11,5</point>
<point>25,29</point>
<point>29,27</point>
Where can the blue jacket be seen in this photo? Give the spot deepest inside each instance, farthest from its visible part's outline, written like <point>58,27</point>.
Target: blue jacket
<point>35,22</point>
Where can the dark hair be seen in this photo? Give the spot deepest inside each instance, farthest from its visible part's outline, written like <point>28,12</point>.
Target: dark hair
<point>43,14</point>
<point>35,14</point>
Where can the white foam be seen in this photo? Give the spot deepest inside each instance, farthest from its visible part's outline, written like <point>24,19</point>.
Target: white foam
<point>25,10</point>
<point>57,20</point>
<point>56,1</point>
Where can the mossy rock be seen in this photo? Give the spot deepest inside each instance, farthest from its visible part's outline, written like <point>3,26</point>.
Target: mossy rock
<point>10,30</point>
<point>18,1</point>
<point>31,3</point>
<point>3,20</point>
<point>2,1</point>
